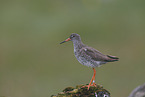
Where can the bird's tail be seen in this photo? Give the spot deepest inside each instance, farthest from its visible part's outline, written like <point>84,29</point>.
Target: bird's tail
<point>112,58</point>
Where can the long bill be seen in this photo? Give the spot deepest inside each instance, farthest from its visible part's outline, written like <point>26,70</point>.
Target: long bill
<point>65,40</point>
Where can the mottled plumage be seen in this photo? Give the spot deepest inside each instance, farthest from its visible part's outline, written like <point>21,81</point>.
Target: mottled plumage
<point>89,56</point>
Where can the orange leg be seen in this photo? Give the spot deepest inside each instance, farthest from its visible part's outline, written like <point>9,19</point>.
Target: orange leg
<point>94,84</point>
<point>93,79</point>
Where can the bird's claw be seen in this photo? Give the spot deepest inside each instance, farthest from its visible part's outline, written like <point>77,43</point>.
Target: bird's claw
<point>94,84</point>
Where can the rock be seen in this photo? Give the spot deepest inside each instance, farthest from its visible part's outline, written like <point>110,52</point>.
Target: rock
<point>81,91</point>
<point>138,92</point>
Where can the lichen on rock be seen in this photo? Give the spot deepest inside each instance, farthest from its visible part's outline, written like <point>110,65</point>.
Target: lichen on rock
<point>81,91</point>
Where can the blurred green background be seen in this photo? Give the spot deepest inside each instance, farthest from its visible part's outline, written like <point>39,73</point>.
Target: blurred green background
<point>34,64</point>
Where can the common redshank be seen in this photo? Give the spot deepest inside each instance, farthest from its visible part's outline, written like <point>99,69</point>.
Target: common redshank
<point>89,56</point>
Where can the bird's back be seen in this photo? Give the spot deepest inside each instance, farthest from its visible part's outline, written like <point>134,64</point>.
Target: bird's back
<point>93,58</point>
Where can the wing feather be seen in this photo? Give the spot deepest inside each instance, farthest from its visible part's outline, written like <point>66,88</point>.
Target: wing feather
<point>98,56</point>
<point>94,54</point>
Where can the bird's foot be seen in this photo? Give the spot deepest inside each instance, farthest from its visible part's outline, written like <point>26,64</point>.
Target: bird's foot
<point>94,84</point>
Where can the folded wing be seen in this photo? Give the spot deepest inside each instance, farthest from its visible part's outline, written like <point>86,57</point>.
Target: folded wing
<point>98,56</point>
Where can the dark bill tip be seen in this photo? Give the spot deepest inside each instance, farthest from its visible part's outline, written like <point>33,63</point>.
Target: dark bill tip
<point>66,40</point>
<point>63,42</point>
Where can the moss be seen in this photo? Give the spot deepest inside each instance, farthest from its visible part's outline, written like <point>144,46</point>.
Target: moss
<point>68,89</point>
<point>80,91</point>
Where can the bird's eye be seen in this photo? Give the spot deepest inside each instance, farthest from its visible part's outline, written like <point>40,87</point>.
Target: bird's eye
<point>72,36</point>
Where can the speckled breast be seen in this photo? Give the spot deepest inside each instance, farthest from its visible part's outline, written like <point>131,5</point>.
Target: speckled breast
<point>87,61</point>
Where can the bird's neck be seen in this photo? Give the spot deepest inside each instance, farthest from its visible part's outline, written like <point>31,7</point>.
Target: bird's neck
<point>78,44</point>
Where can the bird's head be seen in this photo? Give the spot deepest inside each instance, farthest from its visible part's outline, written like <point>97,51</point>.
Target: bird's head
<point>73,37</point>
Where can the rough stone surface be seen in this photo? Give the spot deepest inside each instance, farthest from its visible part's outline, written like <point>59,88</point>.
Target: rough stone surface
<point>138,92</point>
<point>81,91</point>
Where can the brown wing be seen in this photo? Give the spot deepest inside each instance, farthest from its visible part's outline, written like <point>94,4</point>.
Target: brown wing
<point>98,56</point>
<point>94,54</point>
